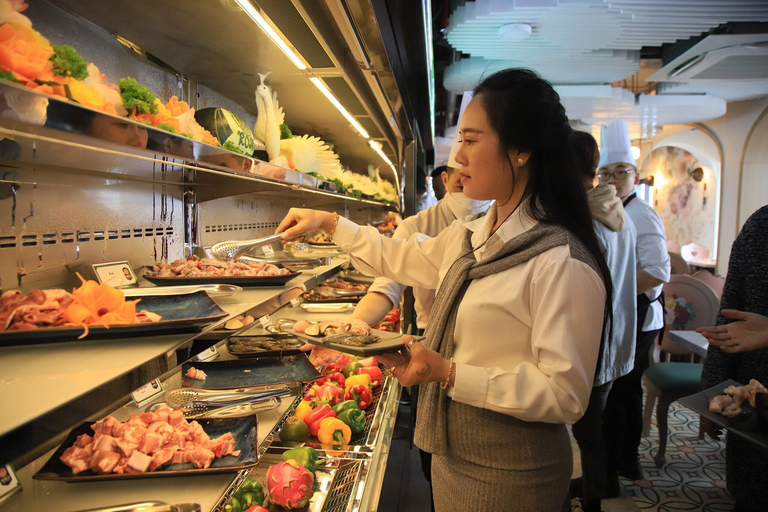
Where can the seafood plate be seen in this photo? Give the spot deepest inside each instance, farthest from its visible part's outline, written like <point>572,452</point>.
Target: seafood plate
<point>349,336</point>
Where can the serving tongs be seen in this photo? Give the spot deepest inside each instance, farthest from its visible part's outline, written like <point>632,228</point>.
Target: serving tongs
<point>223,397</point>
<point>232,249</point>
<point>148,506</point>
<point>211,289</point>
<point>196,410</point>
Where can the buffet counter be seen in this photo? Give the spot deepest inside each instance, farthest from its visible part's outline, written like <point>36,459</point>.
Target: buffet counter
<point>44,381</point>
<point>45,389</point>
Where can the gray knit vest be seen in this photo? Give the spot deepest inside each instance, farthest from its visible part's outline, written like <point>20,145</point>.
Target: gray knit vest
<point>431,422</point>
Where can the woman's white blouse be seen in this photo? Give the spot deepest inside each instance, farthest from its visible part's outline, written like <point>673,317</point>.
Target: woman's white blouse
<point>527,338</point>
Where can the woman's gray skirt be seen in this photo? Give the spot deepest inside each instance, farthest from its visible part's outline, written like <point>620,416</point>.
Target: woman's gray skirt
<point>499,463</point>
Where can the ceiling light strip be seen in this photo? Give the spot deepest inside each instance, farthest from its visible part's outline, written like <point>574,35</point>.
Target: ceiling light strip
<point>377,148</point>
<point>251,11</point>
<point>254,14</point>
<point>328,94</point>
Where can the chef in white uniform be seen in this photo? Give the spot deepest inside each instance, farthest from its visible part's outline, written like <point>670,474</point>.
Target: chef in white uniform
<point>623,419</point>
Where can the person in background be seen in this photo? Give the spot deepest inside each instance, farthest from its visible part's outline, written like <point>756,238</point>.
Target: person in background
<point>423,198</point>
<point>616,235</point>
<point>445,177</point>
<point>623,417</point>
<point>748,331</point>
<point>746,289</point>
<point>438,184</point>
<point>514,333</point>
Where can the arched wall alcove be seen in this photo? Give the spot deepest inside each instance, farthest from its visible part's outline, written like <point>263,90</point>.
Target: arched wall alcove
<point>753,187</point>
<point>687,200</point>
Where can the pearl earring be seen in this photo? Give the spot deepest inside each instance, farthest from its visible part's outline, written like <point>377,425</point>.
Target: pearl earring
<point>519,161</point>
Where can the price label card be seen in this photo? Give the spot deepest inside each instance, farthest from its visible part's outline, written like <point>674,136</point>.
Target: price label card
<point>268,251</point>
<point>118,274</point>
<point>295,302</point>
<point>9,482</point>
<point>208,355</point>
<point>265,321</point>
<point>147,393</point>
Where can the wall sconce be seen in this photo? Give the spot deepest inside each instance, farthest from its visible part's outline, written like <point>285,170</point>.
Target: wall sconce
<point>647,181</point>
<point>696,174</point>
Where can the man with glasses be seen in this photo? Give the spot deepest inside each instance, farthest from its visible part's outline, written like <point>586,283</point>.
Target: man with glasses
<point>623,419</point>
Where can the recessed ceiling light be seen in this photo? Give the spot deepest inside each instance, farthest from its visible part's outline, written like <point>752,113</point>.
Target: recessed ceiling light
<point>514,31</point>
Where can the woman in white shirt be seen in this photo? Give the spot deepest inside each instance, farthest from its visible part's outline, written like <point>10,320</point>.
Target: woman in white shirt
<point>512,343</point>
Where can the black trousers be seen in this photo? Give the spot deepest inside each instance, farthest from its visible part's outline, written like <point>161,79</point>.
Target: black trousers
<point>623,417</point>
<point>588,432</point>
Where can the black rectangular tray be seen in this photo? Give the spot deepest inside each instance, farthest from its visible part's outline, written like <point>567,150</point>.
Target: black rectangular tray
<point>264,345</point>
<point>700,403</point>
<point>243,430</point>
<point>179,314</point>
<point>263,371</point>
<point>237,280</point>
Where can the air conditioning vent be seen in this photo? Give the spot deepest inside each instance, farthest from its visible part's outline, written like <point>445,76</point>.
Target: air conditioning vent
<point>736,67</point>
<point>719,57</point>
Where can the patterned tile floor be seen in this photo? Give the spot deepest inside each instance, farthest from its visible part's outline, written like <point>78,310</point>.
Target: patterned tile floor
<point>693,477</point>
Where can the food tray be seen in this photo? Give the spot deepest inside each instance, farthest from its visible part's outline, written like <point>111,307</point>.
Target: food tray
<point>263,371</point>
<point>700,403</point>
<point>389,342</point>
<point>324,476</point>
<point>243,430</point>
<point>179,313</point>
<point>236,280</point>
<point>266,345</point>
<point>326,307</point>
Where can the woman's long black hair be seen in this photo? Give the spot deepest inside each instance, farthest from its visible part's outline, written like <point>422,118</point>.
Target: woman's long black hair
<point>527,114</point>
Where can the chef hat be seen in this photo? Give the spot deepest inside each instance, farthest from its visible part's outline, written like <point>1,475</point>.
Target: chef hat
<point>615,146</point>
<point>457,136</point>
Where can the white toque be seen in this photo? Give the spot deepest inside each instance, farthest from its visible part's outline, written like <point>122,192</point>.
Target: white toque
<point>457,136</point>
<point>615,146</point>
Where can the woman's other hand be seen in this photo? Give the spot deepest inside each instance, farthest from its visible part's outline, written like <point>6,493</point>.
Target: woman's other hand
<point>748,332</point>
<point>416,364</point>
<point>301,220</point>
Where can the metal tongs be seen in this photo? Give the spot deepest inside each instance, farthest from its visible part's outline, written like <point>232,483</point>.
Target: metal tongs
<point>197,410</point>
<point>223,397</point>
<point>232,249</point>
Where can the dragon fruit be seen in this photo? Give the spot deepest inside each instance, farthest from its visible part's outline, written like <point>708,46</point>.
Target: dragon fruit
<point>289,484</point>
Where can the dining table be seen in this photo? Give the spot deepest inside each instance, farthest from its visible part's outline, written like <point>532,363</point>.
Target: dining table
<point>690,340</point>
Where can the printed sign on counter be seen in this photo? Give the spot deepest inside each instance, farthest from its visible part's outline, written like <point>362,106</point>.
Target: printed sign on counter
<point>208,354</point>
<point>118,274</point>
<point>295,302</point>
<point>265,321</point>
<point>9,483</point>
<point>147,393</point>
<point>268,251</point>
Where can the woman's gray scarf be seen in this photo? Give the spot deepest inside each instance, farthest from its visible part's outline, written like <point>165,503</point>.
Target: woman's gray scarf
<point>431,420</point>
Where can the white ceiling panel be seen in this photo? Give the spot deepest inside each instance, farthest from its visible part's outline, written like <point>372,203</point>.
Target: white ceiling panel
<point>652,112</point>
<point>575,43</point>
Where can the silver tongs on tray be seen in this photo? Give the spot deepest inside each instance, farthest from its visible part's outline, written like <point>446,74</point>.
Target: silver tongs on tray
<point>212,289</point>
<point>232,249</point>
<point>223,397</point>
<point>148,506</point>
<point>196,410</point>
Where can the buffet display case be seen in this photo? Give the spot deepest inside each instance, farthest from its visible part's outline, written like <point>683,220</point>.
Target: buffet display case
<point>72,196</point>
